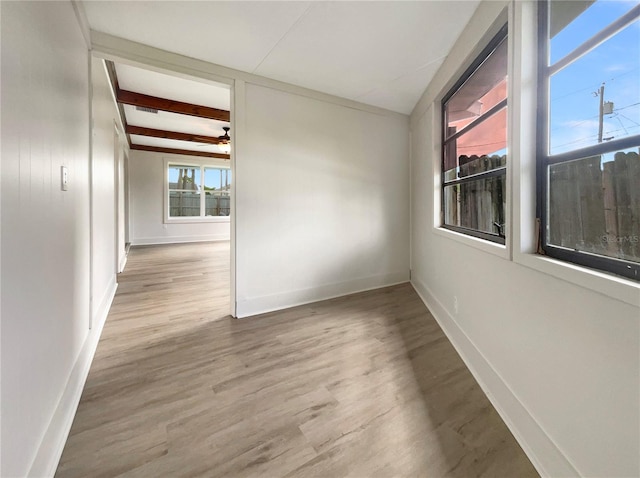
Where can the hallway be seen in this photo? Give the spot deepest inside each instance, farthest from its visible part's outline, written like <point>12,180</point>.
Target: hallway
<point>360,386</point>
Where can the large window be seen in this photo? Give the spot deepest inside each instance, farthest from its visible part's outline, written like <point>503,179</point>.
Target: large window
<point>474,146</point>
<point>589,134</point>
<point>197,191</point>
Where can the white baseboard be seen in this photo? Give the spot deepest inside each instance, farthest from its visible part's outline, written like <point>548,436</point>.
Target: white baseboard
<point>123,262</point>
<point>545,455</point>
<point>149,241</point>
<point>270,303</point>
<point>52,445</point>
<point>101,312</point>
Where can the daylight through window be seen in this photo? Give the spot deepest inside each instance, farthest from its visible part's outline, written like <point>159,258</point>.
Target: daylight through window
<point>474,146</point>
<point>589,134</point>
<point>198,191</point>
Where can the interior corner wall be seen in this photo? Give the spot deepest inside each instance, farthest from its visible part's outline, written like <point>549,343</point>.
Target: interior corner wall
<point>560,362</point>
<point>45,231</point>
<point>322,200</point>
<point>146,207</point>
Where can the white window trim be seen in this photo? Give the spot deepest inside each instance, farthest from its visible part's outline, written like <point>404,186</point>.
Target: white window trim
<point>189,220</point>
<point>520,246</point>
<point>523,162</point>
<point>500,250</point>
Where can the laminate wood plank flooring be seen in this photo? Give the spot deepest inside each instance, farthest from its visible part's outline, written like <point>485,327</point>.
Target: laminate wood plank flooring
<point>360,386</point>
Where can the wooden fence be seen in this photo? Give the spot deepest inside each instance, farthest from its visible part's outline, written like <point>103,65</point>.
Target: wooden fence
<point>188,204</point>
<point>595,206</point>
<point>478,204</point>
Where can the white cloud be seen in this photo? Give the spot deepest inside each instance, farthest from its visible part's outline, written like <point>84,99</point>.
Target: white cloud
<point>616,67</point>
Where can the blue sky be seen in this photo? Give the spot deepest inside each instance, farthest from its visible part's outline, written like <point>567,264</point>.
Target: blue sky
<point>212,177</point>
<point>616,63</point>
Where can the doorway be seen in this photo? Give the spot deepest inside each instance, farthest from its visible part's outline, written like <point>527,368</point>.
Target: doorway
<point>176,184</point>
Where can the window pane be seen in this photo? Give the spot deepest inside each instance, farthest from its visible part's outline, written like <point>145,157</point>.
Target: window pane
<point>217,204</point>
<point>594,205</point>
<point>575,94</point>
<point>211,179</point>
<point>185,178</point>
<point>217,184</point>
<point>478,204</point>
<point>183,204</point>
<point>482,148</point>
<point>484,89</point>
<point>216,179</point>
<point>575,21</point>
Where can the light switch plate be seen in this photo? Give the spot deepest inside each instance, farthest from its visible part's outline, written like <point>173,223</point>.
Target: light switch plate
<point>64,178</point>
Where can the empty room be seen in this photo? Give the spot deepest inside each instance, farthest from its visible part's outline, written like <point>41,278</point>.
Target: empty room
<point>320,239</point>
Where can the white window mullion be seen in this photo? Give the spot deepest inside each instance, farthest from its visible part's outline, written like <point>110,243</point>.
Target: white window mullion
<point>202,193</point>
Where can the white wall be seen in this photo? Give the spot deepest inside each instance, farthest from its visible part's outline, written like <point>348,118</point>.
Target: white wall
<point>322,200</point>
<point>146,192</point>
<point>365,146</point>
<point>107,144</point>
<point>57,281</point>
<point>45,231</point>
<point>560,360</point>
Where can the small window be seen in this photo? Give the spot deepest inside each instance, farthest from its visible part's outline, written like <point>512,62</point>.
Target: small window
<point>196,191</point>
<point>474,146</point>
<point>589,134</point>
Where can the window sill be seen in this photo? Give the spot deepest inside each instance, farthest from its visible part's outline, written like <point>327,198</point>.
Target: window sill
<point>197,220</point>
<point>612,286</point>
<point>475,242</point>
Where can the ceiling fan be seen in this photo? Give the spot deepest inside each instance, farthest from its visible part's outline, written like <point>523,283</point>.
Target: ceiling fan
<point>224,141</point>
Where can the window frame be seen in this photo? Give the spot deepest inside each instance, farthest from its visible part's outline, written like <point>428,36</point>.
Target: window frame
<point>544,159</point>
<point>168,163</point>
<point>494,42</point>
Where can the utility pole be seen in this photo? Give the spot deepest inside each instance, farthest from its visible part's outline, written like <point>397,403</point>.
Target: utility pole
<point>601,114</point>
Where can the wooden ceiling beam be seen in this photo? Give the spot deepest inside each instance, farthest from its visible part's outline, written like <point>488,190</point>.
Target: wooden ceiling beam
<point>160,133</point>
<point>157,149</point>
<point>153,102</point>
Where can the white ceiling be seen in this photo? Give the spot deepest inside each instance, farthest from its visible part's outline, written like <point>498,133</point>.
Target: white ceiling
<point>173,143</point>
<point>169,87</point>
<point>379,53</point>
<point>214,95</point>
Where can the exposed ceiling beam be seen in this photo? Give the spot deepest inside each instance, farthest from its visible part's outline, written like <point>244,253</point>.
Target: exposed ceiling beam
<point>113,78</point>
<point>138,99</point>
<point>157,149</point>
<point>160,133</point>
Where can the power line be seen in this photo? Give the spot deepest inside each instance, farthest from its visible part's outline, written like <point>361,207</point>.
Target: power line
<point>596,116</point>
<point>595,86</point>
<point>620,121</point>
<point>629,119</point>
<point>628,106</point>
<point>592,136</point>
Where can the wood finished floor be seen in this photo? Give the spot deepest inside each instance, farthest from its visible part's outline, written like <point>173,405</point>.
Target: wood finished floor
<point>360,386</point>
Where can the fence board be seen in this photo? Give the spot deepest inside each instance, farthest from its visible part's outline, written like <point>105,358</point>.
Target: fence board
<point>623,203</point>
<point>589,181</point>
<point>633,166</point>
<point>610,214</point>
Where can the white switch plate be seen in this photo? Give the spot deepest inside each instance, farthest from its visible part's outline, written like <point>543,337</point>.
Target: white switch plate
<point>64,178</point>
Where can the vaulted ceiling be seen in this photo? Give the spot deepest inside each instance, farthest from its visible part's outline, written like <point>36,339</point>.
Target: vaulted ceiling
<point>378,53</point>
